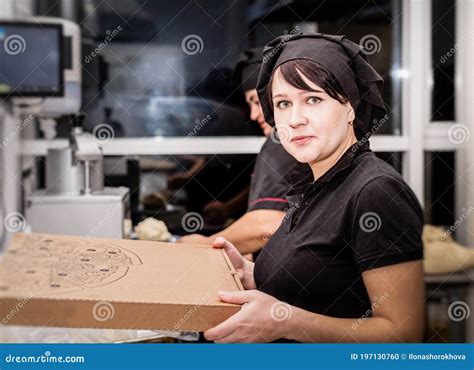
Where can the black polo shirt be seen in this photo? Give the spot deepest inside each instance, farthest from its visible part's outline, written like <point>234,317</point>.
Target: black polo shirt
<point>358,216</point>
<point>271,179</point>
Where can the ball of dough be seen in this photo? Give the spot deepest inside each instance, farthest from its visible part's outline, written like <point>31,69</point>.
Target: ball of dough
<point>152,229</point>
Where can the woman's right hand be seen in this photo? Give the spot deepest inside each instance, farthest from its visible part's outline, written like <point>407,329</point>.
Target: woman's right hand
<point>243,267</point>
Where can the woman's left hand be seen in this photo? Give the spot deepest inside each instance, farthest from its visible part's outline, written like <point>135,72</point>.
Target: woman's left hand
<point>261,319</point>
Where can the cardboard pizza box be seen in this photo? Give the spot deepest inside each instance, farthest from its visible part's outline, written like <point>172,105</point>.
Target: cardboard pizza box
<point>78,282</point>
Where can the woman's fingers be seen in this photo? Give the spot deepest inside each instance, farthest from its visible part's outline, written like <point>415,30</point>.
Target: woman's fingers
<point>230,249</point>
<point>224,332</point>
<point>219,242</point>
<point>223,329</point>
<point>233,253</point>
<point>236,297</point>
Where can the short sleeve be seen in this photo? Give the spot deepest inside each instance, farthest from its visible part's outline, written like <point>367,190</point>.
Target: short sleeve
<point>269,186</point>
<point>275,204</point>
<point>272,178</point>
<point>387,224</point>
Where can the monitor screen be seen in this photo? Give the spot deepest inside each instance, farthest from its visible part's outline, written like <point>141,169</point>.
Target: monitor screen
<point>31,59</point>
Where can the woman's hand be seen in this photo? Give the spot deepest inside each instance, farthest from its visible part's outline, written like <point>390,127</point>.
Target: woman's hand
<point>243,267</point>
<point>261,319</point>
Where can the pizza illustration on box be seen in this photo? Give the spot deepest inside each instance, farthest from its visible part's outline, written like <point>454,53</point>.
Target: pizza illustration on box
<point>43,265</point>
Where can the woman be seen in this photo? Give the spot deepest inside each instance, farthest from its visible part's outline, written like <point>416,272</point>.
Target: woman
<point>270,180</point>
<point>345,265</point>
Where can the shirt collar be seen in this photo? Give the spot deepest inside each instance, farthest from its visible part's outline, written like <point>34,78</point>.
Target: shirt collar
<point>304,178</point>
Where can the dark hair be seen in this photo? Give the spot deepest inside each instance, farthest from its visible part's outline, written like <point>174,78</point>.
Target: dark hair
<point>316,73</point>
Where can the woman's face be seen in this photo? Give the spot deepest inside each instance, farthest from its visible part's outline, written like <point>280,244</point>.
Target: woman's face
<point>311,125</point>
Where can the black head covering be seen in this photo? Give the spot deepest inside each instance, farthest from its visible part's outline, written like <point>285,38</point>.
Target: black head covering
<point>347,62</point>
<point>247,68</point>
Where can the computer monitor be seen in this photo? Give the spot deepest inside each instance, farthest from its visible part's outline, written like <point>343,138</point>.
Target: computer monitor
<point>31,59</point>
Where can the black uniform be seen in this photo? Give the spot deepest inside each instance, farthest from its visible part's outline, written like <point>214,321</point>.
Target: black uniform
<point>272,177</point>
<point>359,215</point>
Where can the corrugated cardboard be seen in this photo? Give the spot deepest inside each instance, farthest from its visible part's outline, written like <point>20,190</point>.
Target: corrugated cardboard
<point>69,281</point>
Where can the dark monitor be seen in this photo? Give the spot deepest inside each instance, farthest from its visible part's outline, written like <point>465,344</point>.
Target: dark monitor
<point>31,59</point>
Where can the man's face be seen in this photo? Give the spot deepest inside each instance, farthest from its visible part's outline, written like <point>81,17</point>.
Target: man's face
<point>256,113</point>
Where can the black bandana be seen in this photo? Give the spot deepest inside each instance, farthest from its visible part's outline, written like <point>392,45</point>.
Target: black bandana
<point>247,68</point>
<point>347,62</point>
